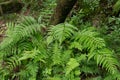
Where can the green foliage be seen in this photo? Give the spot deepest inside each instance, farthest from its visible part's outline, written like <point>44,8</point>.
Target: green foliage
<point>112,33</point>
<point>61,31</point>
<point>72,64</point>
<point>26,28</point>
<point>90,4</point>
<point>116,7</point>
<point>34,50</point>
<point>64,53</point>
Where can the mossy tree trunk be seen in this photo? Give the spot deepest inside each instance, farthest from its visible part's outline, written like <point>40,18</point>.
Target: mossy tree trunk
<point>62,10</point>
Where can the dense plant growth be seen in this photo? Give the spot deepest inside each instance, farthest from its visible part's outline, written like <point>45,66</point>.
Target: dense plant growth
<point>84,47</point>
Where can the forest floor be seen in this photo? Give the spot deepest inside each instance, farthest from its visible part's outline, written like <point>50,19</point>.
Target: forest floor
<point>2,29</point>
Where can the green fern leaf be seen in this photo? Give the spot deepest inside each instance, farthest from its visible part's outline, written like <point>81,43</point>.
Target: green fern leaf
<point>56,54</point>
<point>106,60</point>
<point>71,65</point>
<point>13,62</point>
<point>116,7</point>
<point>89,40</point>
<point>62,31</point>
<point>26,28</point>
<point>29,54</point>
<point>76,45</point>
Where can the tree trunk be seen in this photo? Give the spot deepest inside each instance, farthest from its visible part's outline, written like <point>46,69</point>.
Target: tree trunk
<point>10,7</point>
<point>62,10</point>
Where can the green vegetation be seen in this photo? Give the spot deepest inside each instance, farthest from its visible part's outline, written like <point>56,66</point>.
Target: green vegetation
<point>84,46</point>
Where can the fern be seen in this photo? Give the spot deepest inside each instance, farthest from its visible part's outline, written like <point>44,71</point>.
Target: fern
<point>56,55</point>
<point>10,67</point>
<point>29,54</point>
<point>71,65</point>
<point>88,38</point>
<point>29,72</point>
<point>76,45</point>
<point>106,59</point>
<point>26,28</point>
<point>115,76</point>
<point>116,7</point>
<point>64,53</point>
<point>60,32</point>
<point>12,63</point>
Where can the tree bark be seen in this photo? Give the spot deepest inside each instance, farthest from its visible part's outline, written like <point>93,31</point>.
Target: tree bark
<point>10,7</point>
<point>62,10</point>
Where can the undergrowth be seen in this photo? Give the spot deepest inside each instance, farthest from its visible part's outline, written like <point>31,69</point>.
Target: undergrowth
<point>63,53</point>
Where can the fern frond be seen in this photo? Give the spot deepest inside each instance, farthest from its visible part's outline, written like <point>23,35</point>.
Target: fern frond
<point>4,73</point>
<point>66,55</point>
<point>18,32</point>
<point>56,57</point>
<point>26,28</point>
<point>89,69</point>
<point>13,63</point>
<point>29,72</point>
<point>71,65</point>
<point>106,60</point>
<point>10,28</point>
<point>61,31</point>
<point>96,49</point>
<point>116,6</point>
<point>89,39</point>
<point>29,54</point>
<point>115,76</point>
<point>24,45</point>
<point>76,45</point>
